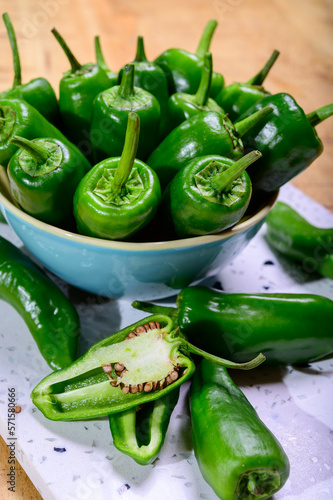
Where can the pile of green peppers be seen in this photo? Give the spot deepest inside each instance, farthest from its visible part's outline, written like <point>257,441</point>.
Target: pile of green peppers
<point>165,142</point>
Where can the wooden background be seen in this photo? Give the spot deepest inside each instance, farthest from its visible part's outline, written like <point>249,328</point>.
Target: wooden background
<point>248,31</point>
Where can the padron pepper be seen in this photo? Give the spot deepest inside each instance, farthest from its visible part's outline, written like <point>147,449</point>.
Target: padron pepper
<point>141,363</point>
<point>238,97</point>
<point>49,315</point>
<point>183,69</point>
<point>110,115</point>
<point>286,138</point>
<point>140,432</point>
<point>77,90</point>
<point>238,456</point>
<point>185,142</point>
<point>43,176</point>
<point>293,236</point>
<point>17,117</point>
<point>100,60</point>
<point>38,92</point>
<point>120,195</point>
<point>182,106</point>
<point>210,194</point>
<point>286,328</point>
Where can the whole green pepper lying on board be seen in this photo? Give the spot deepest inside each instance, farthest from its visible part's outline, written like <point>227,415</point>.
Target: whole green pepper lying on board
<point>238,97</point>
<point>38,92</point>
<point>286,328</point>
<point>49,315</point>
<point>209,195</point>
<point>237,454</point>
<point>293,236</point>
<point>136,365</point>
<point>43,175</point>
<point>140,432</point>
<point>286,138</point>
<point>185,142</point>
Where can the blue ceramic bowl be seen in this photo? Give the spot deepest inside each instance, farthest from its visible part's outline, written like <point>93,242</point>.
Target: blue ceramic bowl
<point>145,271</point>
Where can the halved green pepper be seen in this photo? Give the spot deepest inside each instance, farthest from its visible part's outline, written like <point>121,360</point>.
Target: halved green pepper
<point>237,454</point>
<point>138,364</point>
<point>293,236</point>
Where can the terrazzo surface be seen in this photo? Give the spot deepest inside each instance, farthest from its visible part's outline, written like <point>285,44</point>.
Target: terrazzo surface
<point>77,460</point>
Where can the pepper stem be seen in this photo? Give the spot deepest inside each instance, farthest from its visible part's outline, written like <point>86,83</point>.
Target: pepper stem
<point>259,78</point>
<point>206,38</point>
<point>38,152</point>
<point>129,152</point>
<point>223,182</point>
<point>75,65</point>
<point>320,114</point>
<point>224,362</point>
<point>140,51</point>
<point>99,55</point>
<point>250,121</point>
<point>172,312</point>
<point>202,94</point>
<point>15,52</point>
<point>126,87</point>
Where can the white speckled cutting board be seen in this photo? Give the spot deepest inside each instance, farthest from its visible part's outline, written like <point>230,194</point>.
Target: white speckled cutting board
<point>76,460</point>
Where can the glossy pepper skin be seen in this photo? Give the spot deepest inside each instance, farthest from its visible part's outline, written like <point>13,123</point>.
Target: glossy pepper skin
<point>50,317</point>
<point>293,236</point>
<point>38,92</point>
<point>43,176</point>
<point>110,114</point>
<point>210,194</point>
<point>118,196</point>
<point>286,328</point>
<point>185,142</point>
<point>141,363</point>
<point>182,106</point>
<point>238,97</point>
<point>17,117</point>
<point>183,69</point>
<point>287,140</point>
<point>140,432</point>
<point>237,454</point>
<point>77,90</point>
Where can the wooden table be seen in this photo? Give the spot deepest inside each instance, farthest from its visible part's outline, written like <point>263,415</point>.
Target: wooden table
<point>248,31</point>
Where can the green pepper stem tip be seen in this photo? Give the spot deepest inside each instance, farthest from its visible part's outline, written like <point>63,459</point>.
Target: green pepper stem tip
<point>38,152</point>
<point>202,95</point>
<point>126,87</point>
<point>206,38</point>
<point>75,65</point>
<point>140,51</point>
<point>247,123</point>
<point>16,56</point>
<point>223,182</point>
<point>318,116</point>
<point>259,78</point>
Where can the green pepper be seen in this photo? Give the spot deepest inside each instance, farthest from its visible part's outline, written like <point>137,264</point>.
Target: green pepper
<point>181,105</point>
<point>112,75</point>
<point>43,176</point>
<point>140,432</point>
<point>237,454</point>
<point>110,115</point>
<point>183,69</point>
<point>209,195</point>
<point>238,97</point>
<point>17,117</point>
<point>140,363</point>
<point>77,90</point>
<point>50,317</point>
<point>119,196</point>
<point>185,142</point>
<point>287,140</point>
<point>293,236</point>
<point>286,328</point>
<point>150,77</point>
<point>38,92</point>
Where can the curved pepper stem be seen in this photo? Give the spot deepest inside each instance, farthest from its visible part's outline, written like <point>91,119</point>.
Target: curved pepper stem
<point>320,114</point>
<point>129,152</point>
<point>38,152</point>
<point>75,65</point>
<point>140,51</point>
<point>250,121</point>
<point>202,94</point>
<point>126,87</point>
<point>13,43</point>
<point>172,312</point>
<point>259,78</point>
<point>99,55</point>
<point>206,38</point>
<point>223,182</point>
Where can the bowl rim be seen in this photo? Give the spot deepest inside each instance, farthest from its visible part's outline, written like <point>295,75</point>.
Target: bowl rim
<point>243,224</point>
